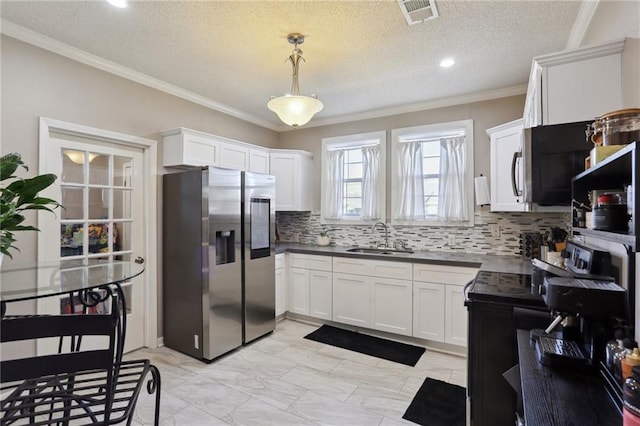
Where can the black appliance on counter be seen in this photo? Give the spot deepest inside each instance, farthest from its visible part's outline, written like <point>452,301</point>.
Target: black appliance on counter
<point>498,305</point>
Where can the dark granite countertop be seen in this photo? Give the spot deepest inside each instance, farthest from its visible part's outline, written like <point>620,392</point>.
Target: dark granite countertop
<point>485,262</point>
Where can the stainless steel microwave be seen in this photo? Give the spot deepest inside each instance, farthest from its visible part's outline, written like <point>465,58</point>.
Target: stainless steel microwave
<point>552,156</point>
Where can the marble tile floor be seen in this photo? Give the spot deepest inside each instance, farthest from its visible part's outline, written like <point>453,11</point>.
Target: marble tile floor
<point>284,379</point>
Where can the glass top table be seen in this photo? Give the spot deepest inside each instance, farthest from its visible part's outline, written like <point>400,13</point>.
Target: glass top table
<point>23,282</point>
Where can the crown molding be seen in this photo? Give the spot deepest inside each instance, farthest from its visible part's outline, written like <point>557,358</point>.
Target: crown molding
<point>486,95</point>
<point>581,24</point>
<point>34,38</point>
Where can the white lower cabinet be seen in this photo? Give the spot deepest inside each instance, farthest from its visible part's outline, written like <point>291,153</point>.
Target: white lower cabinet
<point>439,313</point>
<point>310,285</point>
<point>351,295</point>
<point>391,305</point>
<point>281,285</point>
<point>320,294</point>
<point>455,326</point>
<point>428,311</point>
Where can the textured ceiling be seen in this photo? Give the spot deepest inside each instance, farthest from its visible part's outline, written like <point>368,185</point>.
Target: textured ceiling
<point>361,56</point>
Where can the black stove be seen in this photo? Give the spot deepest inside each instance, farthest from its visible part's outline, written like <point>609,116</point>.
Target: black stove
<point>508,288</point>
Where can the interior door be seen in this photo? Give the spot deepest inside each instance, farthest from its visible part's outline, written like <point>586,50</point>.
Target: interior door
<point>100,185</point>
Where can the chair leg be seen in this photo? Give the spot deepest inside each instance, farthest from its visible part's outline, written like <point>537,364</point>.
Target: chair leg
<point>154,385</point>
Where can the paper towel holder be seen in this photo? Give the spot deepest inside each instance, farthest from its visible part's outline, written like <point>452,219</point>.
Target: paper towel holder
<point>481,186</point>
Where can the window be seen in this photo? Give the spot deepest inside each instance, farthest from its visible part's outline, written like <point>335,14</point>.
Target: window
<point>353,178</point>
<point>432,174</point>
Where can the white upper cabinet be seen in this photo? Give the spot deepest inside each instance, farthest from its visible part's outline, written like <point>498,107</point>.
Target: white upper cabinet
<point>259,160</point>
<point>507,167</point>
<point>581,84</point>
<point>292,169</point>
<point>234,156</point>
<point>186,147</point>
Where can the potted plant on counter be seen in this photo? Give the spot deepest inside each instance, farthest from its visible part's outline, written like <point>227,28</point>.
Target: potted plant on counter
<point>18,195</point>
<point>323,238</point>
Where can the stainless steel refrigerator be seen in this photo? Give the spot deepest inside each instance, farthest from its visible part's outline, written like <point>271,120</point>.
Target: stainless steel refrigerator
<point>218,259</point>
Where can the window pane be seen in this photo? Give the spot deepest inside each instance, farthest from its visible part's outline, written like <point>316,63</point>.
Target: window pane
<point>98,238</point>
<point>122,236</point>
<point>122,171</point>
<point>431,165</point>
<point>121,204</point>
<point>431,209</point>
<point>72,170</point>
<point>99,170</point>
<point>353,206</point>
<point>99,203</point>
<point>71,239</point>
<point>431,149</point>
<point>353,189</point>
<point>354,171</point>
<point>72,202</point>
<point>431,186</point>
<point>353,156</point>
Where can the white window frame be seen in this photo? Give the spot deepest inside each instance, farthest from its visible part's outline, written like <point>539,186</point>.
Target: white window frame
<point>355,141</point>
<point>416,132</point>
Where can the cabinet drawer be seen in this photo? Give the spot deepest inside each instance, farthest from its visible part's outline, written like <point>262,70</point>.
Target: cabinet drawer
<point>310,261</point>
<point>280,261</point>
<point>373,268</point>
<point>455,275</point>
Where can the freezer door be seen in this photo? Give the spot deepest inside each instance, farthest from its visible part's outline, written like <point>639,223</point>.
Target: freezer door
<point>258,254</point>
<point>222,230</point>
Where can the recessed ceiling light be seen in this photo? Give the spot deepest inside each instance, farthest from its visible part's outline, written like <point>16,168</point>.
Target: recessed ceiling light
<point>447,62</point>
<point>118,3</point>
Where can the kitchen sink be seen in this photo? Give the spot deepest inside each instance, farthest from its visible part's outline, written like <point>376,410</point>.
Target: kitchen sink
<point>373,250</point>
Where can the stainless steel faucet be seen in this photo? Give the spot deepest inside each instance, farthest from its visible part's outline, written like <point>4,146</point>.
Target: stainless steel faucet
<point>386,232</point>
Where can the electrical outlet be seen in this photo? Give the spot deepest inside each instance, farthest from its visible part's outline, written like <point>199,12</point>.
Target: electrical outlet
<point>495,230</point>
<point>452,239</point>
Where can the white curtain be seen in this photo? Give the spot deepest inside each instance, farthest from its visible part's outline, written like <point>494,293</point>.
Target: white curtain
<point>452,206</point>
<point>370,166</point>
<point>334,190</point>
<point>411,191</point>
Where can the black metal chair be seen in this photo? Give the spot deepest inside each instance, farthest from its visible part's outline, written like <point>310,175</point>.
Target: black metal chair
<point>92,386</point>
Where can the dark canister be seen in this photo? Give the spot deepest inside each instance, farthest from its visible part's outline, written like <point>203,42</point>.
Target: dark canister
<point>611,217</point>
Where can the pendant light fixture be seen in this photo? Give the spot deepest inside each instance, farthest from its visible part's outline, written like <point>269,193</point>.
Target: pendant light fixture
<point>293,109</point>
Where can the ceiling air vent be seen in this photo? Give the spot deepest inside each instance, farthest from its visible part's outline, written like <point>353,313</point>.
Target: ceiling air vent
<point>416,11</point>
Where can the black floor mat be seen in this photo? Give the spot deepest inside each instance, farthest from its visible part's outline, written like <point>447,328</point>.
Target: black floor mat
<point>438,403</point>
<point>369,345</point>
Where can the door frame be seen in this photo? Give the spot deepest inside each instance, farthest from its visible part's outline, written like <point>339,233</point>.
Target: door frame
<point>150,206</point>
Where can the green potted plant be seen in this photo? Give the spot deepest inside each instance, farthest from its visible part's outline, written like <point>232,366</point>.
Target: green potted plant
<point>323,238</point>
<point>18,195</point>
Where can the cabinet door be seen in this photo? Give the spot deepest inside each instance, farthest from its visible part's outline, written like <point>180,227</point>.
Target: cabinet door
<point>507,169</point>
<point>582,90</point>
<point>298,284</point>
<point>455,314</point>
<point>428,311</point>
<point>183,148</point>
<point>391,305</point>
<point>258,160</point>
<point>320,294</point>
<point>351,299</point>
<point>284,167</point>
<point>234,156</point>
<point>281,291</point>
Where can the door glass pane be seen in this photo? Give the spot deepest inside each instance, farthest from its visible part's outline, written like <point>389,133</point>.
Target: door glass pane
<point>122,168</point>
<point>72,202</point>
<point>99,203</point>
<point>71,239</point>
<point>98,238</point>
<point>121,204</point>
<point>99,170</point>
<point>72,166</point>
<point>123,241</point>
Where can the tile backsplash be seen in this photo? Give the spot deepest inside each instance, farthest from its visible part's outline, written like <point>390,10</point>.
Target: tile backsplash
<point>303,227</point>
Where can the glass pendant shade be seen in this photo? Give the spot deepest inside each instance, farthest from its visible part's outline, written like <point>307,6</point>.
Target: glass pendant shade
<point>295,110</point>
